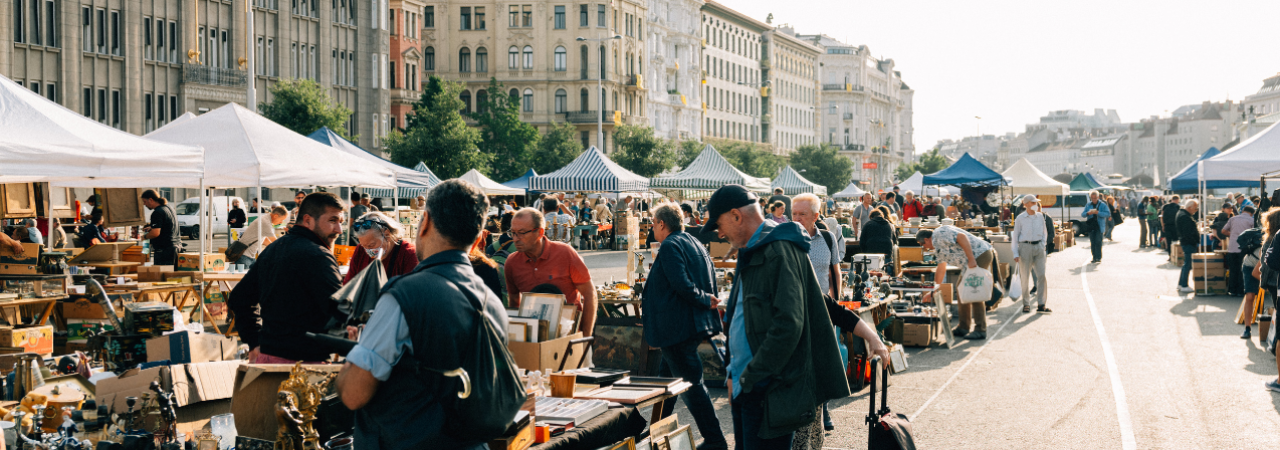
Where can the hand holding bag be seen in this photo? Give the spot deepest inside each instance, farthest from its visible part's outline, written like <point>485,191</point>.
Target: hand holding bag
<point>975,285</point>
<point>1015,283</point>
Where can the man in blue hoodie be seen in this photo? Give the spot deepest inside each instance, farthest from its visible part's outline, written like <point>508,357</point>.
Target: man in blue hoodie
<point>1095,214</point>
<point>783,359</point>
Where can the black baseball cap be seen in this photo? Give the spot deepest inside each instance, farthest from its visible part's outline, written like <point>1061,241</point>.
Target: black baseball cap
<point>728,197</point>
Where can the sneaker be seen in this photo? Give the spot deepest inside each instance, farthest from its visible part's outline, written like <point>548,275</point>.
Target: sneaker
<point>1185,290</point>
<point>1248,333</point>
<point>1273,385</point>
<point>959,332</point>
<point>1044,309</point>
<point>1026,309</point>
<point>976,336</point>
<point>829,426</point>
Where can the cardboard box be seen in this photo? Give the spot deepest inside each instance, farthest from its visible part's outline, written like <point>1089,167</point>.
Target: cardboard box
<point>253,400</point>
<point>147,274</point>
<point>202,390</point>
<point>541,355</point>
<point>947,290</point>
<point>1212,271</point>
<point>150,318</point>
<point>919,334</point>
<point>212,262</point>
<point>1214,285</point>
<point>910,254</point>
<point>187,347</point>
<point>719,249</point>
<point>1209,258</point>
<point>78,330</point>
<point>1175,254</point>
<point>37,340</point>
<point>27,264</point>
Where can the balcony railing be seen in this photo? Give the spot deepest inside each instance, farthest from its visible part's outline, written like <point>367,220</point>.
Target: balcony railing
<point>841,87</point>
<point>675,98</point>
<point>635,81</point>
<point>848,116</point>
<point>853,147</point>
<point>217,76</point>
<point>589,117</point>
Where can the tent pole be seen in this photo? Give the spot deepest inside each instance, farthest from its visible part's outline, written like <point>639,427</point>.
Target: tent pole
<point>201,227</point>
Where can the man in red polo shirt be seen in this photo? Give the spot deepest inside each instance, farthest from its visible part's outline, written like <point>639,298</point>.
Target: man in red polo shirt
<point>540,261</point>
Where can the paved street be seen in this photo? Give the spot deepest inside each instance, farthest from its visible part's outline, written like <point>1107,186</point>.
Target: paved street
<point>1123,362</point>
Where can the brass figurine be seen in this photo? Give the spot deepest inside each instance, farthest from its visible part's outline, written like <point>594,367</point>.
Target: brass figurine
<point>299,397</point>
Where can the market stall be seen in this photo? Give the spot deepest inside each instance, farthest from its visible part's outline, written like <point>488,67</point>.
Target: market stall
<point>708,172</point>
<point>1085,181</point>
<point>1187,180</point>
<point>850,191</point>
<point>487,185</point>
<point>409,183</point>
<point>915,183</point>
<point>792,183</point>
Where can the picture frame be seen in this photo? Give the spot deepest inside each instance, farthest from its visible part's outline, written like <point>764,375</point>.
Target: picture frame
<point>543,307</point>
<point>517,332</point>
<point>681,439</point>
<point>530,325</point>
<point>627,444</point>
<point>572,314</point>
<point>660,443</point>
<point>664,426</point>
<point>898,359</point>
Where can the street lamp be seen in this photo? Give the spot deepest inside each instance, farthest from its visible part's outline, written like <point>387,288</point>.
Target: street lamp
<point>600,91</point>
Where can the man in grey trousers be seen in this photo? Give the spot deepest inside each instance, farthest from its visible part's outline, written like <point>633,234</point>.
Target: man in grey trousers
<point>1029,241</point>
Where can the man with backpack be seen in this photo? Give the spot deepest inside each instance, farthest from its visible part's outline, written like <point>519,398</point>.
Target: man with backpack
<point>912,207</point>
<point>426,323</point>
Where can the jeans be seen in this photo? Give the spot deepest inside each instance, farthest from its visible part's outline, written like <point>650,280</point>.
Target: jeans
<point>1154,227</point>
<point>1111,226</point>
<point>1142,241</point>
<point>682,360</point>
<point>1095,244</point>
<point>1187,251</point>
<point>748,419</point>
<point>164,256</point>
<point>1235,282</point>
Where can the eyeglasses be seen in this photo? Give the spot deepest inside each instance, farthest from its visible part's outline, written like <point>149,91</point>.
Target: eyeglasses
<point>519,234</point>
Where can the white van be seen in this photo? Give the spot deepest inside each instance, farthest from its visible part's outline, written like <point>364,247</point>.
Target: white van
<point>1053,206</point>
<point>188,213</point>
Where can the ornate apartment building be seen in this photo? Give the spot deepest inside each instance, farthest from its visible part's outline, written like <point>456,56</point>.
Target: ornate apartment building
<point>673,79</point>
<point>407,20</point>
<point>791,73</point>
<point>551,55</point>
<point>136,65</point>
<point>734,78</point>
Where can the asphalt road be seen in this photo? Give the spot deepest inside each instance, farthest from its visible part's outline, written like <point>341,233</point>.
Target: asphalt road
<point>1123,362</point>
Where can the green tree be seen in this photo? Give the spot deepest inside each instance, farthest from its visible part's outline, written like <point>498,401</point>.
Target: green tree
<point>557,149</point>
<point>687,152</point>
<point>822,164</point>
<point>639,151</point>
<point>437,135</point>
<point>751,158</point>
<point>510,141</point>
<point>928,163</point>
<point>304,106</point>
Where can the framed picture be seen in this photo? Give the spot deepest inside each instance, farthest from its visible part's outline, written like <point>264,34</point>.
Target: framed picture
<point>898,359</point>
<point>681,439</point>
<point>628,444</point>
<point>660,443</point>
<point>529,324</point>
<point>543,307</point>
<point>517,332</point>
<point>569,316</point>
<point>665,426</point>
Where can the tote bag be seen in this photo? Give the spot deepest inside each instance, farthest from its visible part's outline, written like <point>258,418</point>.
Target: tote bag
<point>975,285</point>
<point>1015,284</point>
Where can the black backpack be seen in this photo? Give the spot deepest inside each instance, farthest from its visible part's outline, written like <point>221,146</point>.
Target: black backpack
<point>496,393</point>
<point>1250,240</point>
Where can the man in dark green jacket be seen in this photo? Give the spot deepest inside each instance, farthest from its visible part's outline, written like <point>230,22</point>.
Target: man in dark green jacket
<point>784,362</point>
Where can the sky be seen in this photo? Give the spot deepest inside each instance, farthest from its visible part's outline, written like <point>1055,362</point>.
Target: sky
<point>1011,62</point>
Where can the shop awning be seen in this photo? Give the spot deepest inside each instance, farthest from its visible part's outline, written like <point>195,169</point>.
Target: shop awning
<point>965,170</point>
<point>1085,181</point>
<point>522,182</point>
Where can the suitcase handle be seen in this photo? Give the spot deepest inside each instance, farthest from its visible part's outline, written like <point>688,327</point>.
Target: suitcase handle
<point>872,417</point>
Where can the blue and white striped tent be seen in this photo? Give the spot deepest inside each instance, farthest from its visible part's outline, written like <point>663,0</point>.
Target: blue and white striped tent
<point>591,172</point>
<point>411,183</point>
<point>709,171</point>
<point>792,183</point>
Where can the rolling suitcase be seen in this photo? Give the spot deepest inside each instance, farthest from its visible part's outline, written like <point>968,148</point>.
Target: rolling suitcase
<point>888,430</point>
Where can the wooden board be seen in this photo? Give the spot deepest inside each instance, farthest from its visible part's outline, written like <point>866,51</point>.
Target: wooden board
<point>121,207</point>
<point>54,202</point>
<point>19,200</point>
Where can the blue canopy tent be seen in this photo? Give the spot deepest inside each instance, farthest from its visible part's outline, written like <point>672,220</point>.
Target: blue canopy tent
<point>1188,179</point>
<point>409,183</point>
<point>522,182</point>
<point>1085,181</point>
<point>966,170</point>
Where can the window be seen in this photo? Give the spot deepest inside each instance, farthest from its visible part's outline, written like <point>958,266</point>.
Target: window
<point>146,38</point>
<point>393,84</point>
<point>173,107</point>
<point>51,24</point>
<point>465,96</point>
<point>411,76</point>
<point>528,57</point>
<point>271,57</point>
<point>51,92</point>
<point>115,107</point>
<point>600,17</point>
<point>528,100</point>
<point>383,68</point>
<point>339,68</point>
<point>603,56</point>
<point>86,102</point>
<point>147,106</point>
<point>513,58</point>
<point>395,27</point>
<point>526,16</point>
<point>429,17</point>
<point>35,26</point>
<point>480,18</point>
<point>584,18</point>
<point>102,32</point>
<point>482,60</point>
<point>464,60</point>
<point>586,139</point>
<point>559,22</point>
<point>313,66</point>
<point>259,57</point>
<point>482,101</point>
<point>513,96</point>
<point>584,100</point>
<point>583,63</point>
<point>513,16</point>
<point>160,107</point>
<point>562,100</point>
<point>293,56</point>
<point>19,16</point>
<point>561,62</point>
<point>465,22</point>
<point>86,27</point>
<point>173,38</point>
<point>161,53</point>
<point>429,59</point>
<point>374,71</point>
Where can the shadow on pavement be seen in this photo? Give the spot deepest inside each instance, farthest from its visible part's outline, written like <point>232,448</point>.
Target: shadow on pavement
<point>1260,362</point>
<point>1221,322</point>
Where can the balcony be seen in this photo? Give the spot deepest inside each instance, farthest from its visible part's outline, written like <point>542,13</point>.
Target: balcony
<point>767,118</point>
<point>635,82</point>
<point>216,76</point>
<point>404,96</point>
<point>848,116</point>
<point>841,87</point>
<point>853,147</point>
<point>764,63</point>
<point>675,98</point>
<point>588,117</point>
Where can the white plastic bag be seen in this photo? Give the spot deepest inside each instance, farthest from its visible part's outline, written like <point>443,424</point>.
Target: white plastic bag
<point>1015,284</point>
<point>975,285</point>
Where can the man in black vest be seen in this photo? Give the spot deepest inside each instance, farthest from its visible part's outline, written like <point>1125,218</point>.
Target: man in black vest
<point>427,317</point>
<point>163,229</point>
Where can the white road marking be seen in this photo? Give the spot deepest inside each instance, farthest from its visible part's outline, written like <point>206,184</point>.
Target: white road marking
<point>1127,440</point>
<point>966,364</point>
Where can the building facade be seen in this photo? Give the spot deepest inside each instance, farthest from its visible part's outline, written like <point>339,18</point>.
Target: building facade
<point>675,70</point>
<point>406,58</point>
<point>560,59</point>
<point>136,65</point>
<point>734,82</point>
<point>1262,109</point>
<point>790,104</point>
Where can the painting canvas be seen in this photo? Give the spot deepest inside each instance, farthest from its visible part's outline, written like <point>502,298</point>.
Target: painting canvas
<point>543,307</point>
<point>621,347</point>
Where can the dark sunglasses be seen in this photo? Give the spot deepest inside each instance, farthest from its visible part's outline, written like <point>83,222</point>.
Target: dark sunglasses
<point>369,224</point>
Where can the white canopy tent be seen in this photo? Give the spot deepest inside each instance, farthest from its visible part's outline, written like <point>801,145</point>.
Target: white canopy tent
<point>1247,161</point>
<point>915,183</point>
<point>850,191</point>
<point>487,185</point>
<point>1027,179</point>
<point>42,141</point>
